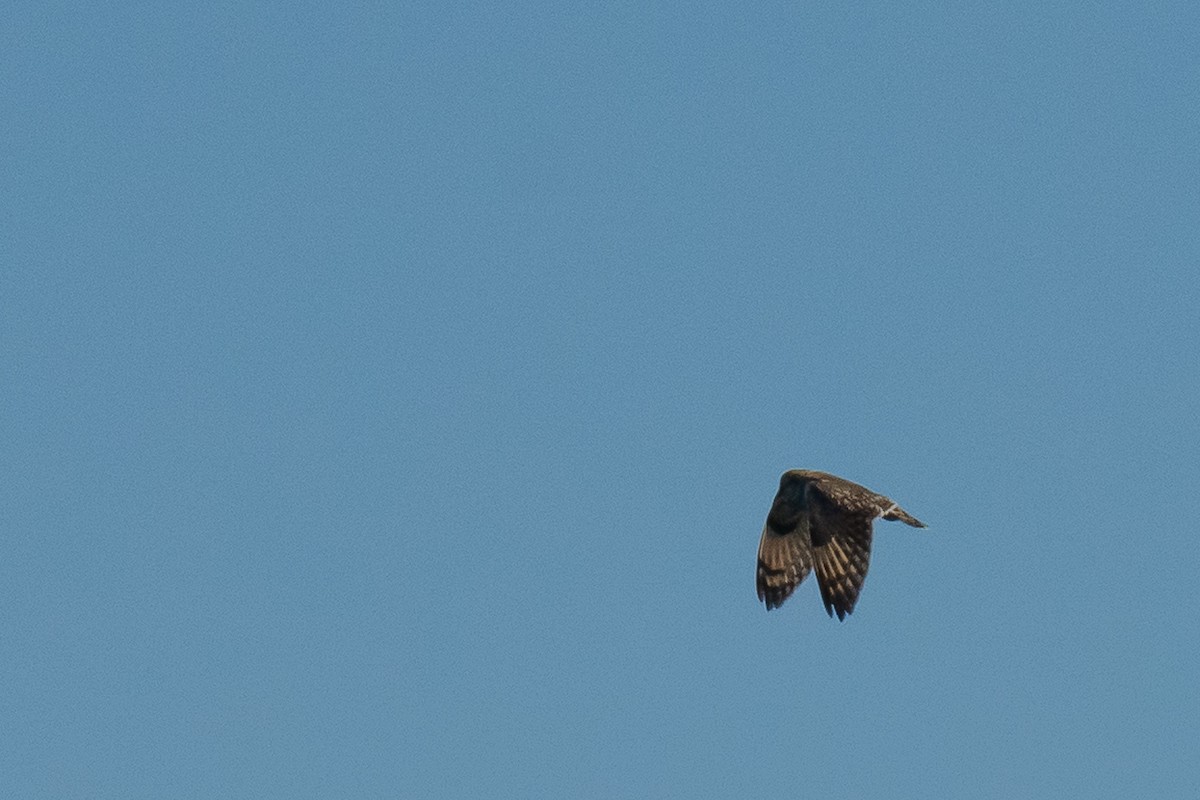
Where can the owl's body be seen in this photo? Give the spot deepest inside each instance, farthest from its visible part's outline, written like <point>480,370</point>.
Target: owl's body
<point>821,522</point>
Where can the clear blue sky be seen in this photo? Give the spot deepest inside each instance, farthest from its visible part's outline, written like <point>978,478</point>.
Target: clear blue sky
<point>393,394</point>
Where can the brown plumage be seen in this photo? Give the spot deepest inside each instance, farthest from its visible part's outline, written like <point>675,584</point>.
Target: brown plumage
<point>823,522</point>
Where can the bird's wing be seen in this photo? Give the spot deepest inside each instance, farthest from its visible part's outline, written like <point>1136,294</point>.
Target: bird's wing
<point>784,555</point>
<point>841,547</point>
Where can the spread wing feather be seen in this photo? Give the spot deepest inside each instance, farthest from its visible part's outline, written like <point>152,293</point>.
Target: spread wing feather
<point>841,559</point>
<point>784,561</point>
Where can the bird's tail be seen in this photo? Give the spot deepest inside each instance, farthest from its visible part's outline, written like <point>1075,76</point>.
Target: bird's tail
<point>896,512</point>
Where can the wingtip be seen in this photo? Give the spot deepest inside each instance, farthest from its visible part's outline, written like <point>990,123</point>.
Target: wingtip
<point>841,612</point>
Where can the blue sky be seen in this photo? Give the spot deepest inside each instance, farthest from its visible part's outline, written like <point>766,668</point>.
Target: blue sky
<point>393,395</point>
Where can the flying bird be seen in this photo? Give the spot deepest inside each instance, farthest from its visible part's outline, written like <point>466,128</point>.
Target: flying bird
<point>823,522</point>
